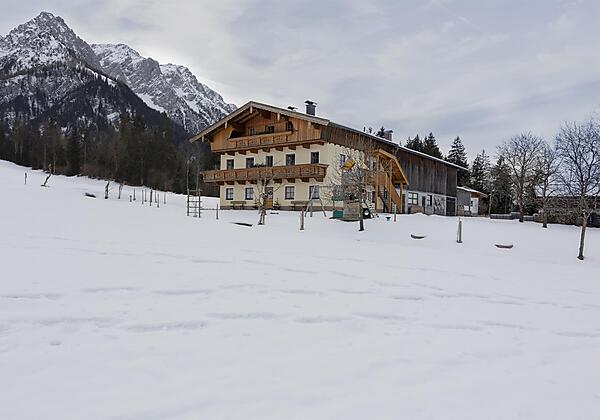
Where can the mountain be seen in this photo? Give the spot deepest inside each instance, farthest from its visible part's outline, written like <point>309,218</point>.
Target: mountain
<point>46,69</point>
<point>44,40</point>
<point>168,87</point>
<point>71,96</point>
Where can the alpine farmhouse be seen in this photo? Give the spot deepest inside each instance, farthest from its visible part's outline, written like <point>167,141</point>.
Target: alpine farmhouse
<point>301,154</point>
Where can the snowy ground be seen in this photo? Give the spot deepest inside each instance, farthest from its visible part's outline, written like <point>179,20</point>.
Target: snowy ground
<point>114,310</point>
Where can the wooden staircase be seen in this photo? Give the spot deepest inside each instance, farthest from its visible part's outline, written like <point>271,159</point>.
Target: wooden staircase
<point>387,174</point>
<point>388,193</point>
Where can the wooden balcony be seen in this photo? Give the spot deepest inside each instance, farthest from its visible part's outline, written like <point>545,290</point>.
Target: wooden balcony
<point>275,173</point>
<point>264,141</point>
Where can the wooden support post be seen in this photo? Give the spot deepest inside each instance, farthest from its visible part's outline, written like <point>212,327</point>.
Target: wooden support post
<point>390,187</point>
<point>377,184</point>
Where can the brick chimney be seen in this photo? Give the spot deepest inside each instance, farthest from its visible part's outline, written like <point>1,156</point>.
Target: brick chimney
<point>388,135</point>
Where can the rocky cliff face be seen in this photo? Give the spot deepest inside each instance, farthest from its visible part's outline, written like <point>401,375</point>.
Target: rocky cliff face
<point>44,64</point>
<point>167,88</point>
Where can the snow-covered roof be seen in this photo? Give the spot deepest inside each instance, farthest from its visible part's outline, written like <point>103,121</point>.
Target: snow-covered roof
<point>472,191</point>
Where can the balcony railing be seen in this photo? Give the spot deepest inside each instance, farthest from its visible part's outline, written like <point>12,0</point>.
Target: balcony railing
<point>317,171</point>
<point>259,141</point>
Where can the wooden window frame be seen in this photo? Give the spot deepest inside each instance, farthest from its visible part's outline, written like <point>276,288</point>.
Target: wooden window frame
<point>227,196</point>
<point>248,196</point>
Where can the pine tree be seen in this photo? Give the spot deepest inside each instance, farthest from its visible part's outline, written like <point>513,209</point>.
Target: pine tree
<point>431,148</point>
<point>480,173</point>
<point>74,154</point>
<point>501,196</point>
<point>415,144</point>
<point>380,132</point>
<point>458,156</point>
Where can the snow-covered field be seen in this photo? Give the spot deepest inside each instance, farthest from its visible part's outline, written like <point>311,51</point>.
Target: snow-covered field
<point>114,310</point>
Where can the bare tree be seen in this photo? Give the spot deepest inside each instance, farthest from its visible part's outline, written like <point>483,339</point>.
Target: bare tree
<point>353,176</point>
<point>578,146</point>
<point>546,178</point>
<point>45,184</point>
<point>520,154</point>
<point>264,190</point>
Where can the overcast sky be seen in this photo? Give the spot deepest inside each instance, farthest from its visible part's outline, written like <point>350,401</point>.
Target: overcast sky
<point>481,69</point>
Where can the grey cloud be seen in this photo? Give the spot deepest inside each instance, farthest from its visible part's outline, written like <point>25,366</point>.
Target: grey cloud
<point>479,69</point>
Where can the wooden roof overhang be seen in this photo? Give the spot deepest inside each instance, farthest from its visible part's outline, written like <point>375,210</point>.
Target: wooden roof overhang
<point>245,113</point>
<point>398,175</point>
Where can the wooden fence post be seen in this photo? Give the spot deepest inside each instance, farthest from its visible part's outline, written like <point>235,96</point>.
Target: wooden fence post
<point>302,220</point>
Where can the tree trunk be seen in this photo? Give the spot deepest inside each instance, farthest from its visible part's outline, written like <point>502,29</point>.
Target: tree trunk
<point>582,239</point>
<point>544,219</point>
<point>521,211</point>
<point>361,218</point>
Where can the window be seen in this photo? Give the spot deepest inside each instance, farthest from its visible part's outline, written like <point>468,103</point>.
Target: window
<point>429,200</point>
<point>251,131</point>
<point>289,192</point>
<point>289,126</point>
<point>228,193</point>
<point>314,157</point>
<point>249,162</point>
<point>290,159</point>
<point>313,192</point>
<point>270,129</point>
<point>413,198</point>
<point>229,163</point>
<point>249,193</point>
<point>269,161</point>
<point>343,159</point>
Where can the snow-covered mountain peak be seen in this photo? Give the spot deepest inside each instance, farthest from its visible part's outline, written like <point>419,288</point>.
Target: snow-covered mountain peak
<point>170,88</point>
<point>47,39</point>
<point>43,40</point>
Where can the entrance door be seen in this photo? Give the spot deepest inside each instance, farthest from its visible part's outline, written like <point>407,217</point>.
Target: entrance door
<point>269,198</point>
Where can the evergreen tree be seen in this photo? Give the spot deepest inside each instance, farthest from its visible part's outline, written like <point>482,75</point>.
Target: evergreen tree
<point>431,148</point>
<point>74,154</point>
<point>480,173</point>
<point>415,144</point>
<point>458,156</point>
<point>501,195</point>
<point>380,132</point>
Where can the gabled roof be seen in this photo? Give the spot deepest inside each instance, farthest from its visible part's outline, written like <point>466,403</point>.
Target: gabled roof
<point>472,191</point>
<point>245,110</point>
<point>248,107</point>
